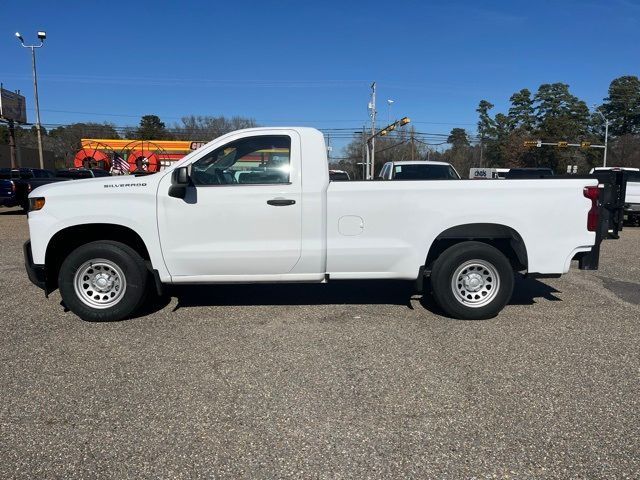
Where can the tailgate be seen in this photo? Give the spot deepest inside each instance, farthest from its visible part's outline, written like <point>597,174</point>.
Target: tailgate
<point>612,200</point>
<point>7,188</point>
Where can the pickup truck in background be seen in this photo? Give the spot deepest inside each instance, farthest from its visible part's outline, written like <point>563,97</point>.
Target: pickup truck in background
<point>418,170</point>
<point>200,222</point>
<point>632,192</point>
<point>16,184</point>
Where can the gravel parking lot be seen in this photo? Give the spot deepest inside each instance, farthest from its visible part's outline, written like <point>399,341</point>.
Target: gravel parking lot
<point>350,379</point>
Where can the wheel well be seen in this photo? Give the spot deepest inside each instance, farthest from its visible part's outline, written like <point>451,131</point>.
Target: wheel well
<point>504,238</point>
<point>67,240</point>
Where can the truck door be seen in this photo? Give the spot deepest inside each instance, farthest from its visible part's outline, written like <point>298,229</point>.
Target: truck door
<point>242,211</point>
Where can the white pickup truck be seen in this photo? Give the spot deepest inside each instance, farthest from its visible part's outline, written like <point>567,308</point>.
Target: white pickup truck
<point>257,205</point>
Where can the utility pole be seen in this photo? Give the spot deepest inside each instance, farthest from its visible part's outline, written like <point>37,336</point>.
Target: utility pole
<point>372,108</point>
<point>606,140</point>
<point>365,152</point>
<point>606,134</point>
<point>413,145</point>
<point>41,37</point>
<point>12,144</point>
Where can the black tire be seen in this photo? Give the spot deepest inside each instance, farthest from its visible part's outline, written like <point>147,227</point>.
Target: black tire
<point>134,280</point>
<point>484,282</point>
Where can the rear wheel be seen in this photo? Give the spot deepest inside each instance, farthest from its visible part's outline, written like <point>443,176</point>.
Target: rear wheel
<point>103,281</point>
<point>472,281</point>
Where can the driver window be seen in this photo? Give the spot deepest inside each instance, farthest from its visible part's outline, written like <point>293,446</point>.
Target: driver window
<point>254,160</point>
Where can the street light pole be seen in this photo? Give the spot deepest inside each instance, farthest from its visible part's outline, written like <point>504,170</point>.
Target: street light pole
<point>606,135</point>
<point>372,107</point>
<point>41,37</point>
<point>606,140</point>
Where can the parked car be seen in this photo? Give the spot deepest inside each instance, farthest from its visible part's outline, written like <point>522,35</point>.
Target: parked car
<point>188,225</point>
<point>339,176</point>
<point>528,173</point>
<point>8,196</point>
<point>16,184</point>
<point>632,195</point>
<point>418,170</point>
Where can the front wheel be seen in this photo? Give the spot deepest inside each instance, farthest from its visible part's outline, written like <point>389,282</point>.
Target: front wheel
<point>103,281</point>
<point>472,281</point>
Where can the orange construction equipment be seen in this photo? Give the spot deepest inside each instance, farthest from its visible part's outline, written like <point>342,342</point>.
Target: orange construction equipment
<point>92,158</point>
<point>141,155</point>
<point>143,160</point>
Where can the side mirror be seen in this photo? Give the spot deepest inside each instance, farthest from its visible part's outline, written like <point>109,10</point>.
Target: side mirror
<point>179,182</point>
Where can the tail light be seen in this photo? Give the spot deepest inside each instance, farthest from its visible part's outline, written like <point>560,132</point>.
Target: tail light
<point>593,217</point>
<point>28,187</point>
<point>13,187</point>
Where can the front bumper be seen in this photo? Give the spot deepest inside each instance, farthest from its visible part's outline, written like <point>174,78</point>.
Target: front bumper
<point>36,273</point>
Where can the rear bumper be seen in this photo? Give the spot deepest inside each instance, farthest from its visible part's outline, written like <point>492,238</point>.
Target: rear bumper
<point>36,273</point>
<point>632,208</point>
<point>589,260</point>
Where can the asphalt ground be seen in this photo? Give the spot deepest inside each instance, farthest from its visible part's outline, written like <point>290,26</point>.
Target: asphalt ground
<point>344,380</point>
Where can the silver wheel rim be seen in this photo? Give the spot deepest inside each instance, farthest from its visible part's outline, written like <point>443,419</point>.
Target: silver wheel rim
<point>475,283</point>
<point>100,283</point>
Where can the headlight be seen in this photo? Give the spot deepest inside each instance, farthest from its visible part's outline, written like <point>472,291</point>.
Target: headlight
<point>36,203</point>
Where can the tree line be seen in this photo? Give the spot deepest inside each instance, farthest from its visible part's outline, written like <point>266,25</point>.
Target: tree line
<point>550,114</point>
<point>64,141</point>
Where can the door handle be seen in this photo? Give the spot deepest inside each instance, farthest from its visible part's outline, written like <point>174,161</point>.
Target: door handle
<point>280,202</point>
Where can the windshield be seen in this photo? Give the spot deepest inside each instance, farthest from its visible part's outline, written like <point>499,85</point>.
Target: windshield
<point>425,172</point>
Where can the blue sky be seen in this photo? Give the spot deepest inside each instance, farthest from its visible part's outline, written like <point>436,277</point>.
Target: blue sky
<point>311,63</point>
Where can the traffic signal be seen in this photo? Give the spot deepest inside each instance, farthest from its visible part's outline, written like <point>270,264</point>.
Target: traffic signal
<point>585,144</point>
<point>383,132</point>
<point>563,144</point>
<point>532,143</point>
<point>404,120</point>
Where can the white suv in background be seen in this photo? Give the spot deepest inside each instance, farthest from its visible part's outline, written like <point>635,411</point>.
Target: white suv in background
<point>418,170</point>
<point>632,196</point>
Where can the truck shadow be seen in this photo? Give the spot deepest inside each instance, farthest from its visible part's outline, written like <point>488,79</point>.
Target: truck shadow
<point>527,290</point>
<point>400,293</point>
<point>13,212</point>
